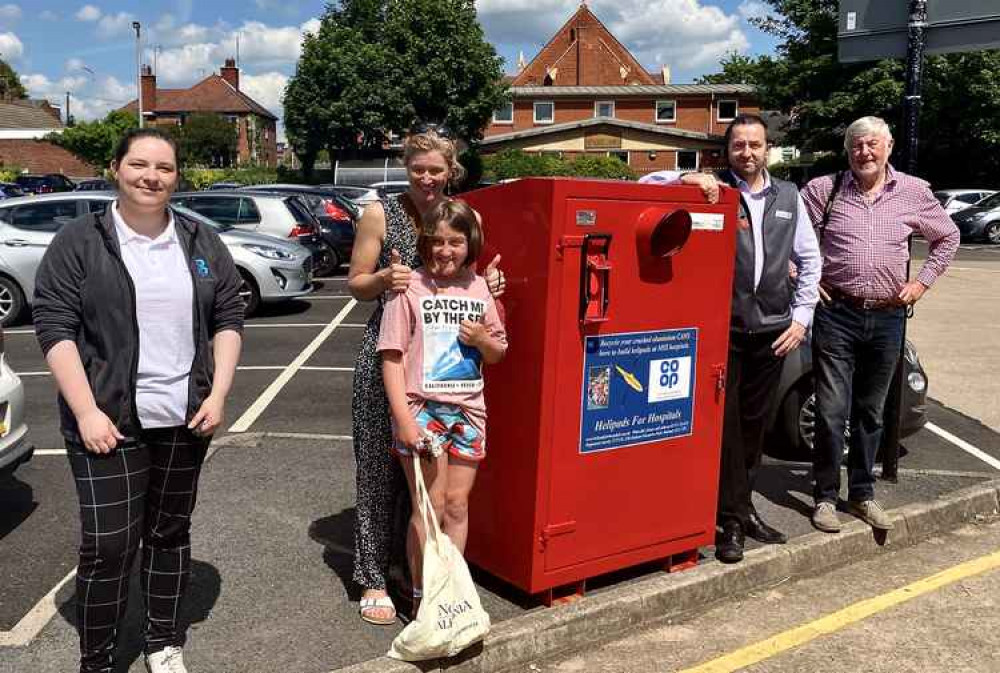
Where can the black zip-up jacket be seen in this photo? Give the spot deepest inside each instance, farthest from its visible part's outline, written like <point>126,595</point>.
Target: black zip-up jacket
<point>84,294</point>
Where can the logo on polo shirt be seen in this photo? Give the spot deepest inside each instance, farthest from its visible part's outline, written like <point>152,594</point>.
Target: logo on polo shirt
<point>201,266</point>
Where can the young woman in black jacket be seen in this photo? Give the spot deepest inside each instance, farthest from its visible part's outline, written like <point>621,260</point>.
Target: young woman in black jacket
<point>138,312</point>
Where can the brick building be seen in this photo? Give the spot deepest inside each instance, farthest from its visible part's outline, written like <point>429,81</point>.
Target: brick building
<point>584,93</point>
<point>23,124</point>
<point>216,94</point>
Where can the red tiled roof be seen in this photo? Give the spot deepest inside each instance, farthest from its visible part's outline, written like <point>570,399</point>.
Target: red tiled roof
<point>212,94</point>
<point>38,156</point>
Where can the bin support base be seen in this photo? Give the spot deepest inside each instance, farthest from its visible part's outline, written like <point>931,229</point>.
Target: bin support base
<point>682,561</point>
<point>567,593</point>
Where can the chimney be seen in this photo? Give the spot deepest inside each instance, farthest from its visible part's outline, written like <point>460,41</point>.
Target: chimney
<point>231,73</point>
<point>148,90</point>
<point>665,70</point>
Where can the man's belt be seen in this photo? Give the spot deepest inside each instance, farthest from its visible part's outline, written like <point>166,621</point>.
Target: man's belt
<point>861,302</point>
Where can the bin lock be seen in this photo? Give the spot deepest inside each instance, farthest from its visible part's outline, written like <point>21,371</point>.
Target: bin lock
<point>595,278</point>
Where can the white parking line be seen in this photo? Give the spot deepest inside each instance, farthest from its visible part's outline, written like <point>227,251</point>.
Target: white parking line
<point>964,445</point>
<point>262,402</point>
<point>33,622</point>
<point>250,368</point>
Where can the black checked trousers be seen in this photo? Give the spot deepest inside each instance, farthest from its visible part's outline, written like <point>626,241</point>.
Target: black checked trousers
<point>141,494</point>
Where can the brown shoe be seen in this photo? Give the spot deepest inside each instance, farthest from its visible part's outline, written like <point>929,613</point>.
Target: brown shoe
<point>825,518</point>
<point>871,513</point>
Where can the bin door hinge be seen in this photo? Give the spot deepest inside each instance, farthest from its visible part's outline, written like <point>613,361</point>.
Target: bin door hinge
<point>719,371</point>
<point>554,529</point>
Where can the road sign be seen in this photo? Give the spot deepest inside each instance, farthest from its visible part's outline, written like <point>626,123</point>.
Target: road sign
<point>868,30</point>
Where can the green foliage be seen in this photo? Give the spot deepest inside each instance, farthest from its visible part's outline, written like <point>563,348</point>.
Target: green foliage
<point>207,140</point>
<point>377,66</point>
<point>10,82</point>
<point>472,162</point>
<point>959,127</point>
<point>94,142</point>
<point>200,178</point>
<point>9,173</point>
<point>509,164</point>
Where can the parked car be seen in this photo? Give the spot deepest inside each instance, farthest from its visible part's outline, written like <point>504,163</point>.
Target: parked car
<point>336,214</point>
<point>45,184</point>
<point>9,190</point>
<point>980,222</point>
<point>283,216</point>
<point>956,200</point>
<point>355,194</point>
<point>273,269</point>
<point>224,185</point>
<point>14,450</point>
<point>94,185</point>
<point>390,187</point>
<point>793,426</point>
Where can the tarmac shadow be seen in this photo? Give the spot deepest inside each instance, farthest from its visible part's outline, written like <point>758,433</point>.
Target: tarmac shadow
<point>336,534</point>
<point>17,502</point>
<point>778,480</point>
<point>203,592</point>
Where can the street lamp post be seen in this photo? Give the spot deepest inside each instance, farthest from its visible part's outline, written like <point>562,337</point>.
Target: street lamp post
<point>138,65</point>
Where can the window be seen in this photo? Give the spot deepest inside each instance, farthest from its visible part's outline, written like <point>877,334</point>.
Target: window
<point>224,210</point>
<point>666,111</point>
<point>687,160</point>
<point>969,198</point>
<point>604,108</point>
<point>44,216</point>
<point>545,112</point>
<point>728,109</point>
<point>620,155</point>
<point>504,114</point>
<point>248,212</point>
<point>787,154</point>
<point>98,207</point>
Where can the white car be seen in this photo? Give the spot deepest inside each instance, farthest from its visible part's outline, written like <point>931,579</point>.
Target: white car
<point>14,450</point>
<point>956,200</point>
<point>273,269</point>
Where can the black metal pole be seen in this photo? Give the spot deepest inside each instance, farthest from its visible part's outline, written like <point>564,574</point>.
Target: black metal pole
<point>916,38</point>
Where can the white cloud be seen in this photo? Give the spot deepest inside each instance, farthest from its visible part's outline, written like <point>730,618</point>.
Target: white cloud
<point>267,89</point>
<point>11,47</point>
<point>89,98</point>
<point>9,13</point>
<point>114,25</point>
<point>88,13</point>
<point>685,34</point>
<point>754,9</point>
<point>75,64</point>
<point>184,65</point>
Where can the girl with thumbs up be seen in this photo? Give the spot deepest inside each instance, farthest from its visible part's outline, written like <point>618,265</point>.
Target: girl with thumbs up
<point>385,253</point>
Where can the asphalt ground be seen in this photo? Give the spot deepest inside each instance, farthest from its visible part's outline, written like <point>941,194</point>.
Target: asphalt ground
<point>273,529</point>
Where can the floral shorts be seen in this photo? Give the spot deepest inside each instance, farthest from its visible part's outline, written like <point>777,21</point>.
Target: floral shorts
<point>448,424</point>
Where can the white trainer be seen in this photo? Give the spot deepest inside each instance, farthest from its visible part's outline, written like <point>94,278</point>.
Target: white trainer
<point>168,660</point>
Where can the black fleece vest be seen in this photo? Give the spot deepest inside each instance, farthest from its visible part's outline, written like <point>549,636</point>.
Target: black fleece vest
<point>769,307</point>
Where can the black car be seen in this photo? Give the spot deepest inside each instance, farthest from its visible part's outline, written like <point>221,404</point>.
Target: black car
<point>94,185</point>
<point>980,222</point>
<point>337,216</point>
<point>793,426</point>
<point>8,190</point>
<point>45,184</point>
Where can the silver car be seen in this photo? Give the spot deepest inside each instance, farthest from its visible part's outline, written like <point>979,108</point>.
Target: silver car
<point>272,269</point>
<point>14,450</point>
<point>957,200</point>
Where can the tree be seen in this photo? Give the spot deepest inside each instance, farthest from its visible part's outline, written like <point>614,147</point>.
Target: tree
<point>207,140</point>
<point>377,66</point>
<point>10,83</point>
<point>94,142</point>
<point>960,130</point>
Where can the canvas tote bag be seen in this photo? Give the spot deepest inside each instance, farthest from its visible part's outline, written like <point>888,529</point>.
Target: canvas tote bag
<point>450,617</point>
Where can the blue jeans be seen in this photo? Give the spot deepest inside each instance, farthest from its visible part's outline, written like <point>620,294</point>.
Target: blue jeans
<point>855,352</point>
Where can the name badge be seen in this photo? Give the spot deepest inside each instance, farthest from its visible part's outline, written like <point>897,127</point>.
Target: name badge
<point>783,214</point>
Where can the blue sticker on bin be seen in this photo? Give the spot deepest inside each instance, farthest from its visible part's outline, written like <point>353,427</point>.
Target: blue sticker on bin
<point>638,388</point>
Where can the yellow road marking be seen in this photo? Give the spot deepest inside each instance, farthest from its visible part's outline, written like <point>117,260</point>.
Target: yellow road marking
<point>782,642</point>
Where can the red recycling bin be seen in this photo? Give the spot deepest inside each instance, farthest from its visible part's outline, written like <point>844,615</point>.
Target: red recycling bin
<point>605,418</point>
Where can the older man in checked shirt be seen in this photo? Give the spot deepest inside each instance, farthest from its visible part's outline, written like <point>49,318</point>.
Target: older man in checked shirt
<point>858,326</point>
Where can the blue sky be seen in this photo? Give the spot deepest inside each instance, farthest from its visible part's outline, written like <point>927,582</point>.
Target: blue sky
<point>87,47</point>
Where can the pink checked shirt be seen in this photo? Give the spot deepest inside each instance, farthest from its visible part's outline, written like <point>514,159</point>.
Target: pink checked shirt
<point>864,245</point>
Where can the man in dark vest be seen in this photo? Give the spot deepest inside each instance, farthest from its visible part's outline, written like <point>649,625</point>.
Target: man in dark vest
<point>770,317</point>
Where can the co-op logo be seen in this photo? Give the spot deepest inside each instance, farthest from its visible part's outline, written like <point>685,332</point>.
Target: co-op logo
<point>669,379</point>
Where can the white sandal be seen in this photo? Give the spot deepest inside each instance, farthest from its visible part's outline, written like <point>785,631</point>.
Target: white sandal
<point>369,604</point>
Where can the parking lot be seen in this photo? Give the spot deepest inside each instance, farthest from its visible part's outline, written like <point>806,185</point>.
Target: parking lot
<point>273,531</point>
